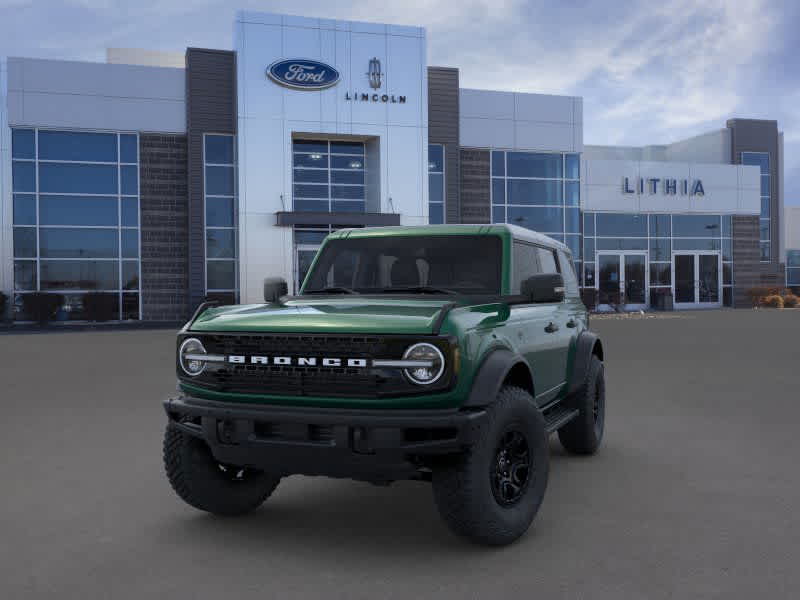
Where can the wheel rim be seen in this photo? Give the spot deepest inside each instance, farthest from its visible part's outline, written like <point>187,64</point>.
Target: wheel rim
<point>511,469</point>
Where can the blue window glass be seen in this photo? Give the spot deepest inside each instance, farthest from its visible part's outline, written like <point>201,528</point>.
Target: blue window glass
<point>498,191</point>
<point>220,274</point>
<point>357,177</point>
<point>310,237</point>
<point>23,143</point>
<point>310,146</point>
<point>759,159</point>
<point>765,185</point>
<point>80,146</point>
<point>129,180</point>
<point>219,149</point>
<point>78,243</point>
<point>542,219</point>
<point>436,213</point>
<point>310,191</point>
<point>130,212</point>
<point>588,249</point>
<point>24,275</point>
<point>531,164</point>
<point>763,228</point>
<point>77,210</point>
<point>727,226</point>
<point>660,249</point>
<point>347,148</point>
<point>498,163</point>
<point>660,226</point>
<point>130,243</point>
<point>573,166</point>
<point>528,191</point>
<point>621,243</point>
<point>766,251</point>
<point>24,209</point>
<point>559,237</point>
<point>793,258</point>
<point>128,148</point>
<point>793,277</point>
<point>317,161</point>
<point>340,162</point>
<point>574,243</point>
<point>220,243</point>
<point>80,275</point>
<point>661,274</point>
<point>696,244</point>
<point>130,275</point>
<point>23,176</point>
<point>25,242</point>
<point>219,181</point>
<point>436,187</point>
<point>696,225</point>
<point>572,223</point>
<point>435,158</point>
<point>588,224</point>
<point>77,179</point>
<point>622,225</point>
<point>311,205</point>
<point>498,214</point>
<point>347,192</point>
<point>219,212</point>
<point>765,208</point>
<point>727,249</point>
<point>312,175</point>
<point>572,190</point>
<point>348,206</point>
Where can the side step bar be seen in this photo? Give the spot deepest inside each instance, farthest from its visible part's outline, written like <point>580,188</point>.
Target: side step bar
<point>558,416</point>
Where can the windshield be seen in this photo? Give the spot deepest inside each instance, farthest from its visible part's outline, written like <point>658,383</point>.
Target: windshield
<point>445,264</point>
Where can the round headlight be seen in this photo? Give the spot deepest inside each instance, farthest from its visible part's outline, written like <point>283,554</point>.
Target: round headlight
<point>190,355</point>
<point>425,353</point>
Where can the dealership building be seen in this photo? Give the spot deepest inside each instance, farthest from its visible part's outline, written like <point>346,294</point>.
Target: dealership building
<point>165,179</point>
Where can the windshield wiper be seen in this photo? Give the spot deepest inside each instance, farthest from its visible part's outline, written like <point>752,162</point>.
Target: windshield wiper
<point>418,289</point>
<point>332,290</point>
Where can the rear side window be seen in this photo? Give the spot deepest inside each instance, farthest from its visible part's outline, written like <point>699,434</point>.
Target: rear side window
<point>547,260</point>
<point>526,263</point>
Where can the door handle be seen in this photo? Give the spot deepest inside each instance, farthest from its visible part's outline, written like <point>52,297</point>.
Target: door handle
<point>551,327</point>
<point>572,323</point>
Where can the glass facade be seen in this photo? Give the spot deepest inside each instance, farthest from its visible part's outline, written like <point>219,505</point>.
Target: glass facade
<point>793,268</point>
<point>76,219</point>
<point>328,176</point>
<point>435,183</point>
<point>761,160</point>
<point>221,223</point>
<point>540,191</point>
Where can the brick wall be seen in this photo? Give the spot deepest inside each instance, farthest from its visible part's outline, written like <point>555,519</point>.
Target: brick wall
<point>475,198</point>
<point>165,227</point>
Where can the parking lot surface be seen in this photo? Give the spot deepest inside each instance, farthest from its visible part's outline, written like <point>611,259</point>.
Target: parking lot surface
<point>694,494</point>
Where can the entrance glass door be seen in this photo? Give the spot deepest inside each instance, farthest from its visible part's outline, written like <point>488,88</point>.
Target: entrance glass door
<point>622,280</point>
<point>697,279</point>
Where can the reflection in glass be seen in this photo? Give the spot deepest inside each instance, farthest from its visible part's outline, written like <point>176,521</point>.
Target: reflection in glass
<point>77,146</point>
<point>55,242</point>
<point>80,275</point>
<point>221,274</point>
<point>67,178</point>
<point>77,210</point>
<point>531,164</point>
<point>530,191</point>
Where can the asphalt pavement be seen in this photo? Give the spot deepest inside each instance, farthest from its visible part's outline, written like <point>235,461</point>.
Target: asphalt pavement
<point>694,494</point>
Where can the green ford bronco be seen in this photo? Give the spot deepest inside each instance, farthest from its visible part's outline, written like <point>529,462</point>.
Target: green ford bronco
<point>437,353</point>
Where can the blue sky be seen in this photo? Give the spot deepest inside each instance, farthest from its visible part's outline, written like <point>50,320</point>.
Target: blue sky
<point>649,72</point>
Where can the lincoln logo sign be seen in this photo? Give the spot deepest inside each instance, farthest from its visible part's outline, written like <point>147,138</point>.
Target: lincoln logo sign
<point>302,74</point>
<point>669,187</point>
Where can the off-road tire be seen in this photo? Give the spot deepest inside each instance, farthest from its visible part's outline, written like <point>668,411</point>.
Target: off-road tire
<point>463,485</point>
<point>584,433</point>
<point>201,482</point>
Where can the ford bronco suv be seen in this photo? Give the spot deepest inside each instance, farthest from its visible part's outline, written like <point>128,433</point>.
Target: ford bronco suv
<point>445,354</point>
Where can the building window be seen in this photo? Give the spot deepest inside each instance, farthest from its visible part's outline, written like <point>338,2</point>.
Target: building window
<point>793,268</point>
<point>76,221</point>
<point>221,227</point>
<point>328,176</point>
<point>761,160</point>
<point>436,183</point>
<point>540,191</point>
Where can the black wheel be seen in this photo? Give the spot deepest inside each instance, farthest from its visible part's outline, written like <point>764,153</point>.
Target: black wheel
<point>584,434</point>
<point>492,493</point>
<point>201,481</point>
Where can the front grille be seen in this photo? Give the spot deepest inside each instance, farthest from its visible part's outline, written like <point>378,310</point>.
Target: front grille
<point>294,380</point>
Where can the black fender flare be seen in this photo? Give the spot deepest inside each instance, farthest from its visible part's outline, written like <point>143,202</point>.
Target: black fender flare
<point>491,374</point>
<point>588,344</point>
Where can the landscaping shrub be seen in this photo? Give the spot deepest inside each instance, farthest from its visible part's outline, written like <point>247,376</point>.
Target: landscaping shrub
<point>790,301</point>
<point>41,306</point>
<point>773,301</point>
<point>99,306</point>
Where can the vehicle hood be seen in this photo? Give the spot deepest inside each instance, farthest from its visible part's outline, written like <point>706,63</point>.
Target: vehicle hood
<point>327,315</point>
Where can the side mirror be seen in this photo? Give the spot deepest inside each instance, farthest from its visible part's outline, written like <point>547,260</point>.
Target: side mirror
<point>544,287</point>
<point>274,288</point>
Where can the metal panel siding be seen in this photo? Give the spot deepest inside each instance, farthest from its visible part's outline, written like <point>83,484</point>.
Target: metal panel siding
<point>443,128</point>
<point>210,108</point>
<point>475,183</point>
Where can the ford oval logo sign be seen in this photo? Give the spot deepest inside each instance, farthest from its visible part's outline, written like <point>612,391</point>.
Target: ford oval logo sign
<point>303,74</point>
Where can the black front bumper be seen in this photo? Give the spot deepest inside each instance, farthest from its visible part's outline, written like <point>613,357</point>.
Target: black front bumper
<point>374,445</point>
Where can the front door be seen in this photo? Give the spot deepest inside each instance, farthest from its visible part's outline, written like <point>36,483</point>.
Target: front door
<point>697,279</point>
<point>622,280</point>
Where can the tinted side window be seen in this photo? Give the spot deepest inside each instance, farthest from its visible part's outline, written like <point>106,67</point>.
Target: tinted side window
<point>570,279</point>
<point>547,260</point>
<point>526,263</point>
